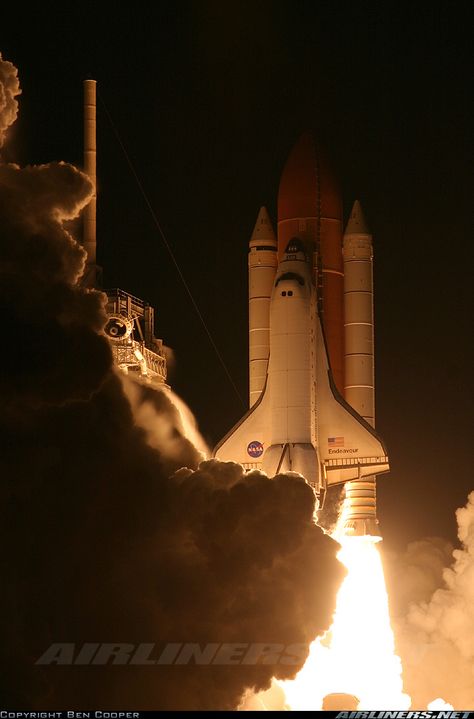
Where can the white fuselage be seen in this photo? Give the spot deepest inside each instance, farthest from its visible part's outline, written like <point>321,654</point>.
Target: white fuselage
<point>291,379</point>
<point>291,360</point>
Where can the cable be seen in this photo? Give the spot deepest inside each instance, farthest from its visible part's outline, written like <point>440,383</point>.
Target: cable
<point>170,251</point>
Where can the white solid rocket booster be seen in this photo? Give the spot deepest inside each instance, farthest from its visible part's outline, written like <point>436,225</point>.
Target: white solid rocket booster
<point>263,262</point>
<point>359,509</point>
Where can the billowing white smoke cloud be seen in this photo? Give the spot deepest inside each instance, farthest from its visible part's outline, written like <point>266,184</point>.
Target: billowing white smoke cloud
<point>435,640</point>
<point>416,574</point>
<point>190,426</point>
<point>9,89</point>
<point>208,555</point>
<point>166,419</point>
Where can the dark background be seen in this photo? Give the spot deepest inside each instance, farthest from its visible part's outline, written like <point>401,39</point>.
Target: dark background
<point>208,98</point>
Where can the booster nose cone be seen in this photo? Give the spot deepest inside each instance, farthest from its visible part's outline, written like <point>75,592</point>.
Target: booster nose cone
<point>263,235</point>
<point>357,224</point>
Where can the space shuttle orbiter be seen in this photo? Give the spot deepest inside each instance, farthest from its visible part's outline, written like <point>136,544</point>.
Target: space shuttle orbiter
<point>299,420</point>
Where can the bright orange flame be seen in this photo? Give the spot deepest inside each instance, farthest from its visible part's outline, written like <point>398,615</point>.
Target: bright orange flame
<point>357,655</point>
<point>356,658</point>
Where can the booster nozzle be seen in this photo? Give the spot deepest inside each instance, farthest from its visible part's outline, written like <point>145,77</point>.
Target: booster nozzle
<point>358,516</point>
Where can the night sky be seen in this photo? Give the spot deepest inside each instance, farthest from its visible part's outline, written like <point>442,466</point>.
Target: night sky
<point>208,98</point>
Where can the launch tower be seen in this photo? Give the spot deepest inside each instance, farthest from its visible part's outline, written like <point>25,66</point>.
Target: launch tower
<point>130,320</point>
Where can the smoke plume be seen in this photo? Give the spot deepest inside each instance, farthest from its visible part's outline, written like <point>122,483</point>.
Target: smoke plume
<point>435,633</point>
<point>174,433</point>
<point>9,89</point>
<point>98,542</point>
<point>414,575</point>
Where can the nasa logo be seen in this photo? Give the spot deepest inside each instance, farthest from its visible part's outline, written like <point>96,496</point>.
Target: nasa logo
<point>255,449</point>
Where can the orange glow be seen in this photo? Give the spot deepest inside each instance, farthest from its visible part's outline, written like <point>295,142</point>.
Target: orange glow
<point>354,665</point>
<point>357,655</point>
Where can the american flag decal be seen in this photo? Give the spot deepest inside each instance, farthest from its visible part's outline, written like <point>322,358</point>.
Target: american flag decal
<point>336,441</point>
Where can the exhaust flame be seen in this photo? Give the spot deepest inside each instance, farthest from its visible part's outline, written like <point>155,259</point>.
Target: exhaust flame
<point>357,655</point>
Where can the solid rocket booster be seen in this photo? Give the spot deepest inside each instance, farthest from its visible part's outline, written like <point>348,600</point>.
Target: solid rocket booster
<point>262,268</point>
<point>359,508</point>
<point>298,419</point>
<point>359,315</point>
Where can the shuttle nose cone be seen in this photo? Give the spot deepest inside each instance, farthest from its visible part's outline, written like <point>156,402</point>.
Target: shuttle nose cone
<point>307,185</point>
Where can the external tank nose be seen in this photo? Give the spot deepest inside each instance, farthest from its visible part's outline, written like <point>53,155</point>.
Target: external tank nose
<point>308,187</point>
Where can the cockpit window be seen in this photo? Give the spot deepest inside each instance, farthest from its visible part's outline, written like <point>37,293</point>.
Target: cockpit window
<point>291,276</point>
<point>294,245</point>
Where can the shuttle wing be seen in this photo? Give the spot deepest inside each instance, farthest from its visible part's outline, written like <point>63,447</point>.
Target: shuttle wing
<point>246,442</point>
<point>349,447</point>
